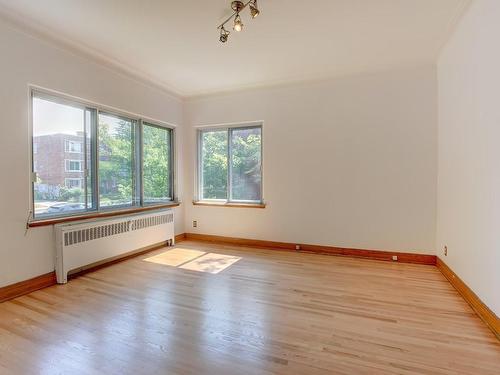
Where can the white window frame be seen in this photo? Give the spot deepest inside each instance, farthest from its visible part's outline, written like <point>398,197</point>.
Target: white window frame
<point>199,177</point>
<point>67,164</point>
<point>67,146</point>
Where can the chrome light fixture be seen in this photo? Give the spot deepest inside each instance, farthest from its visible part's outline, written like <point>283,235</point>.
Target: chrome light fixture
<point>224,34</point>
<point>237,7</point>
<point>238,25</point>
<point>254,10</point>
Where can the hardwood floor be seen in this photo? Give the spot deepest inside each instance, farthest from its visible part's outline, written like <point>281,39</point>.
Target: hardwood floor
<point>267,312</point>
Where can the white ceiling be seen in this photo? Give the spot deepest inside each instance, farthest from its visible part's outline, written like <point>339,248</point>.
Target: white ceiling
<point>175,43</point>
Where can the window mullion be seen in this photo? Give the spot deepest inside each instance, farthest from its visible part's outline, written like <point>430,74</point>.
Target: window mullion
<point>229,165</point>
<point>171,166</point>
<point>85,162</point>
<point>139,180</point>
<point>95,164</point>
<point>200,164</point>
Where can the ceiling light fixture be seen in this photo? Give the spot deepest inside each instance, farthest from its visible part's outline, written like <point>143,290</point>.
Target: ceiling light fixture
<point>238,25</point>
<point>254,9</point>
<point>224,34</point>
<point>237,7</point>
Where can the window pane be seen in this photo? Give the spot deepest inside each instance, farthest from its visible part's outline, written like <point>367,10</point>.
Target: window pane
<point>214,164</point>
<point>156,164</point>
<point>116,161</point>
<point>57,168</point>
<point>246,164</point>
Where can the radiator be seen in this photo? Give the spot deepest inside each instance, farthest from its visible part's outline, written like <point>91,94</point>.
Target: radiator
<point>85,243</point>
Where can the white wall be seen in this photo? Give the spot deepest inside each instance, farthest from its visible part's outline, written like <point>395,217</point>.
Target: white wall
<point>469,151</point>
<point>26,60</point>
<point>348,162</point>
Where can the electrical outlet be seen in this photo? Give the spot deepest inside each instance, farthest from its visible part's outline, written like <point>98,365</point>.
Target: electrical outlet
<point>395,258</point>
<point>195,224</point>
<point>446,251</point>
<point>297,247</point>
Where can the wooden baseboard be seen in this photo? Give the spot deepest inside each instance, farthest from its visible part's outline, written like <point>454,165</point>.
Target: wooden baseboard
<point>488,316</point>
<point>180,237</point>
<point>24,287</point>
<point>318,249</point>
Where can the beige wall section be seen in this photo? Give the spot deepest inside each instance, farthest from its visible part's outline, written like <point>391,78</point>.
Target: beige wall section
<point>469,151</point>
<point>27,60</point>
<point>347,162</point>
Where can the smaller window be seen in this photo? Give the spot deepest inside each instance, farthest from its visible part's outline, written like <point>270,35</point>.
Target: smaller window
<point>74,165</point>
<point>230,164</point>
<point>73,183</point>
<point>73,146</point>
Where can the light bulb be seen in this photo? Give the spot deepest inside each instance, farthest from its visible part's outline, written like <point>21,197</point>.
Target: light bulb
<point>238,25</point>
<point>254,10</point>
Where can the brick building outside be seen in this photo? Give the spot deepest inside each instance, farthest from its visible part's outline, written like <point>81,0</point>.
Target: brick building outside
<point>59,161</point>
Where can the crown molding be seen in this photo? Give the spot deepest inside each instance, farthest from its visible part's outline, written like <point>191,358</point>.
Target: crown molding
<point>452,25</point>
<point>38,31</point>
<point>311,80</point>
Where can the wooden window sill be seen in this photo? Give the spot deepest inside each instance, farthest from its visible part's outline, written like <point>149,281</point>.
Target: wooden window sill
<point>97,215</point>
<point>229,204</point>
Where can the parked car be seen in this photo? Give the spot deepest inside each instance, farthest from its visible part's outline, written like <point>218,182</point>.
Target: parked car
<point>65,207</point>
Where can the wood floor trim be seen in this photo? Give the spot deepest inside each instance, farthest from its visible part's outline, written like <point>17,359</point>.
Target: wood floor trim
<point>481,309</point>
<point>180,237</point>
<point>27,286</point>
<point>319,249</point>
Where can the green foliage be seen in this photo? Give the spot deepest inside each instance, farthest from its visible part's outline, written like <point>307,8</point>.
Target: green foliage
<point>70,195</point>
<point>214,154</point>
<point>156,163</point>
<point>116,160</point>
<point>59,193</point>
<point>245,164</point>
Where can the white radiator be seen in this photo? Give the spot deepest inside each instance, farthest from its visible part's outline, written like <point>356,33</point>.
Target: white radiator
<point>83,243</point>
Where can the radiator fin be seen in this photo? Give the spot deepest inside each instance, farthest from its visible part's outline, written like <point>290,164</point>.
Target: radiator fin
<point>107,230</point>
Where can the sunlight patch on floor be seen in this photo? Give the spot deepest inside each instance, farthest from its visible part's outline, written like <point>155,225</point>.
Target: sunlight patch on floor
<point>194,260</point>
<point>175,257</point>
<point>211,263</point>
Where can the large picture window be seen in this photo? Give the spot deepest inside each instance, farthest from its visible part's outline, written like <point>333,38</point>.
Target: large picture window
<point>230,164</point>
<point>86,160</point>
